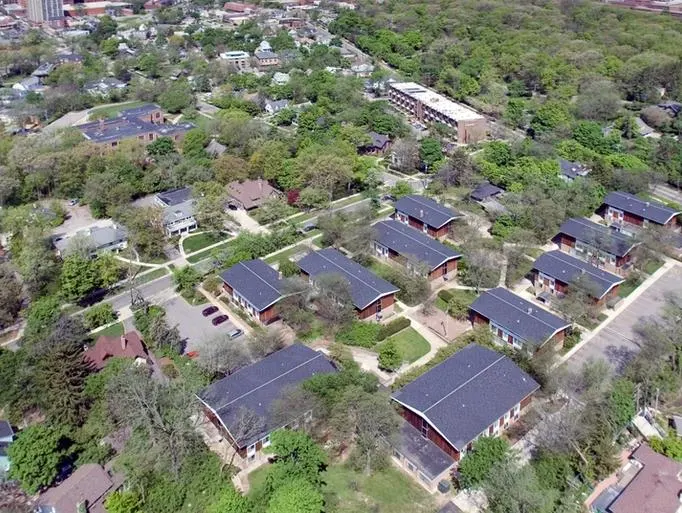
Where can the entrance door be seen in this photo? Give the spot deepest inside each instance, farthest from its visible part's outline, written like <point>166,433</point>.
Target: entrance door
<point>251,451</point>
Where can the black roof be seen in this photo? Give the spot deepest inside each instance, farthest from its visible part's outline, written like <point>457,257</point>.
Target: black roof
<point>426,210</point>
<point>524,319</point>
<point>365,286</point>
<point>255,281</point>
<point>572,169</point>
<point>175,196</point>
<point>646,209</point>
<point>598,236</point>
<point>423,453</point>
<point>485,190</point>
<point>257,386</point>
<point>466,393</point>
<point>408,242</point>
<point>566,269</point>
<point>5,429</point>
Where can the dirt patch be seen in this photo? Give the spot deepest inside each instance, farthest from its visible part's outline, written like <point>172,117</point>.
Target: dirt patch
<point>442,324</point>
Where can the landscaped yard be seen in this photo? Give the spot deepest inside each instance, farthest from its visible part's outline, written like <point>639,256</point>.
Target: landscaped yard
<point>282,255</point>
<point>652,266</point>
<point>112,110</point>
<point>467,296</point>
<point>151,275</point>
<point>198,257</point>
<point>115,330</point>
<point>410,343</point>
<point>349,491</point>
<point>199,241</point>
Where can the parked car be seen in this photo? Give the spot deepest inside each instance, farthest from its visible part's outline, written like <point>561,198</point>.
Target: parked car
<point>209,310</point>
<point>235,333</point>
<point>193,354</point>
<point>388,197</point>
<point>219,320</point>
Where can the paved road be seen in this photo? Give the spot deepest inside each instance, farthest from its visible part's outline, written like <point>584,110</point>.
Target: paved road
<point>617,341</point>
<point>667,193</point>
<point>147,290</point>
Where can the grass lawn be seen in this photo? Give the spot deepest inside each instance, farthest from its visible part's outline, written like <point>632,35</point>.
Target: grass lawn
<point>347,201</point>
<point>652,266</point>
<point>441,305</point>
<point>467,296</point>
<point>151,275</point>
<point>317,241</point>
<point>590,324</point>
<point>115,330</point>
<point>349,491</point>
<point>534,252</point>
<point>199,241</point>
<point>198,257</point>
<point>112,110</point>
<point>286,254</point>
<point>411,344</point>
<point>627,287</point>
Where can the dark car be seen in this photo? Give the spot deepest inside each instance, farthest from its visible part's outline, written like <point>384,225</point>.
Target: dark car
<point>209,310</point>
<point>219,320</point>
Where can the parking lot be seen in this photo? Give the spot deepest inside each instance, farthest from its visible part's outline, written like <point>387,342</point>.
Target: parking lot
<point>194,328</point>
<point>617,341</point>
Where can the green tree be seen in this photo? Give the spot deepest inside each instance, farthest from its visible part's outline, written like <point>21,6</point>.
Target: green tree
<point>194,143</point>
<point>297,496</point>
<point>78,278</point>
<point>549,116</point>
<point>389,356</point>
<point>10,295</point>
<point>288,268</point>
<point>177,97</point>
<point>186,278</point>
<point>430,151</point>
<point>622,402</point>
<point>298,458</point>
<point>99,315</point>
<point>122,502</point>
<point>36,455</point>
<point>109,47</point>
<point>42,314</point>
<point>401,188</point>
<point>510,489</point>
<point>231,501</point>
<point>161,146</point>
<point>476,466</point>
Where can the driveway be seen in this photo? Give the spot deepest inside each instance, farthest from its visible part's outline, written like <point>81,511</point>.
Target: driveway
<point>617,341</point>
<point>246,221</point>
<point>78,217</point>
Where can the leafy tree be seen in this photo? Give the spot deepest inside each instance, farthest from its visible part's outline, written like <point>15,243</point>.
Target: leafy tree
<point>10,295</point>
<point>145,230</point>
<point>288,268</point>
<point>401,188</point>
<point>37,455</point>
<point>670,446</point>
<point>177,97</point>
<point>488,452</point>
<point>273,210</point>
<point>161,147</point>
<point>194,143</point>
<point>510,489</point>
<point>41,316</point>
<point>186,278</point>
<point>297,496</point>
<point>122,502</point>
<point>430,151</point>
<point>263,343</point>
<point>221,356</point>
<point>622,402</point>
<point>230,501</point>
<point>298,457</point>
<point>389,356</point>
<point>78,278</point>
<point>549,116</point>
<point>161,335</point>
<point>99,315</point>
<point>312,197</point>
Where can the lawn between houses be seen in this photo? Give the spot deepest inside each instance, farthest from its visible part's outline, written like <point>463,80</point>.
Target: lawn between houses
<point>112,111</point>
<point>411,345</point>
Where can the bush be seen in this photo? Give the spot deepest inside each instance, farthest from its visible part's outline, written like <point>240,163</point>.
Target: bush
<point>143,318</point>
<point>288,268</point>
<point>389,356</point>
<point>99,316</point>
<point>572,339</point>
<point>359,333</point>
<point>446,295</point>
<point>393,327</point>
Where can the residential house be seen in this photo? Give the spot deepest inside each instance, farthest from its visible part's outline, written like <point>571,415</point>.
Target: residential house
<point>372,297</point>
<point>425,214</point>
<point>275,106</point>
<point>555,271</point>
<point>251,194</point>
<point>476,392</point>
<point>179,218</point>
<point>129,345</point>
<point>645,130</point>
<point>256,287</point>
<point>238,59</point>
<point>173,197</point>
<point>241,7</point>
<point>6,439</point>
<point>255,389</point>
<point>266,59</point>
<point>596,243</point>
<point>111,237</point>
<point>414,249</point>
<point>673,109</point>
<point>362,70</point>
<point>215,149</point>
<point>649,483</point>
<point>379,144</point>
<point>485,191</point>
<point>104,86</point>
<point>569,171</point>
<point>84,490</point>
<point>30,84</point>
<point>69,58</point>
<point>628,213</point>
<point>280,78</point>
<point>43,71</point>
<point>517,322</point>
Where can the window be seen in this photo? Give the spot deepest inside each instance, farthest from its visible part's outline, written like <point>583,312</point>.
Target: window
<point>410,466</point>
<point>425,429</point>
<point>266,441</point>
<point>424,477</point>
<point>425,228</point>
<point>397,455</point>
<point>251,451</point>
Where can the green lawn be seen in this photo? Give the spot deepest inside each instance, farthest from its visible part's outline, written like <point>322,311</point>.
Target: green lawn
<point>112,110</point>
<point>151,275</point>
<point>627,287</point>
<point>467,296</point>
<point>411,344</point>
<point>317,241</point>
<point>199,241</point>
<point>652,266</point>
<point>115,330</point>
<point>349,491</point>
<point>198,257</point>
<point>286,254</point>
<point>347,201</point>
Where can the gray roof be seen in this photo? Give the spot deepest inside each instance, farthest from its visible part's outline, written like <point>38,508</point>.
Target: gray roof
<point>426,210</point>
<point>174,196</point>
<point>140,111</point>
<point>365,286</point>
<point>572,170</point>
<point>408,242</point>
<point>173,213</point>
<point>598,236</point>
<point>215,149</point>
<point>104,83</point>
<point>423,453</point>
<point>647,209</point>
<point>277,105</point>
<point>379,140</point>
<point>5,429</point>
<point>256,281</point>
<point>524,319</point>
<point>265,55</point>
<point>257,386</point>
<point>109,130</point>
<point>566,269</point>
<point>466,393</point>
<point>99,237</point>
<point>484,191</point>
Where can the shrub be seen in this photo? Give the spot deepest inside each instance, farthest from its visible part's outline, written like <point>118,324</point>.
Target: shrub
<point>446,295</point>
<point>393,327</point>
<point>359,333</point>
<point>99,316</point>
<point>288,268</point>
<point>389,356</point>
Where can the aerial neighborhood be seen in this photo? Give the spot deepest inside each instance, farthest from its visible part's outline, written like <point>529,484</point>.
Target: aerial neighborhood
<point>304,256</point>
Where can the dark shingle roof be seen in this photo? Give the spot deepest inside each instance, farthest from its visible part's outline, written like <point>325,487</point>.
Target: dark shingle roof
<point>466,393</point>
<point>524,319</point>
<point>378,140</point>
<point>257,386</point>
<point>175,196</point>
<point>5,429</point>
<point>365,286</point>
<point>426,210</point>
<point>567,269</point>
<point>651,210</point>
<point>140,111</point>
<point>427,456</point>
<point>408,242</point>
<point>484,191</point>
<point>598,236</point>
<point>256,281</point>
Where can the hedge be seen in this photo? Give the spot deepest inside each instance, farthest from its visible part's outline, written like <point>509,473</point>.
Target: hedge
<point>445,295</point>
<point>393,327</point>
<point>360,333</point>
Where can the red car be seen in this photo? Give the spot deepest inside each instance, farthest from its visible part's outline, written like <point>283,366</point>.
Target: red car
<point>209,311</point>
<point>219,320</point>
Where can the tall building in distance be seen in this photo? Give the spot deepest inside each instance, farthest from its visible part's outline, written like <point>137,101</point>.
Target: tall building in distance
<point>46,12</point>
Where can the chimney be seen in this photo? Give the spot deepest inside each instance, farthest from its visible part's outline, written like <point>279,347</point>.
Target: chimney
<point>530,310</point>
<point>421,212</point>
<point>124,342</point>
<point>648,203</point>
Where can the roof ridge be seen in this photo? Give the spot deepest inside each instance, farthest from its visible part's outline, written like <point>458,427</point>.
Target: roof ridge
<point>317,355</point>
<point>518,308</point>
<point>465,383</point>
<point>261,279</point>
<point>392,227</point>
<point>346,272</point>
<point>553,254</point>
